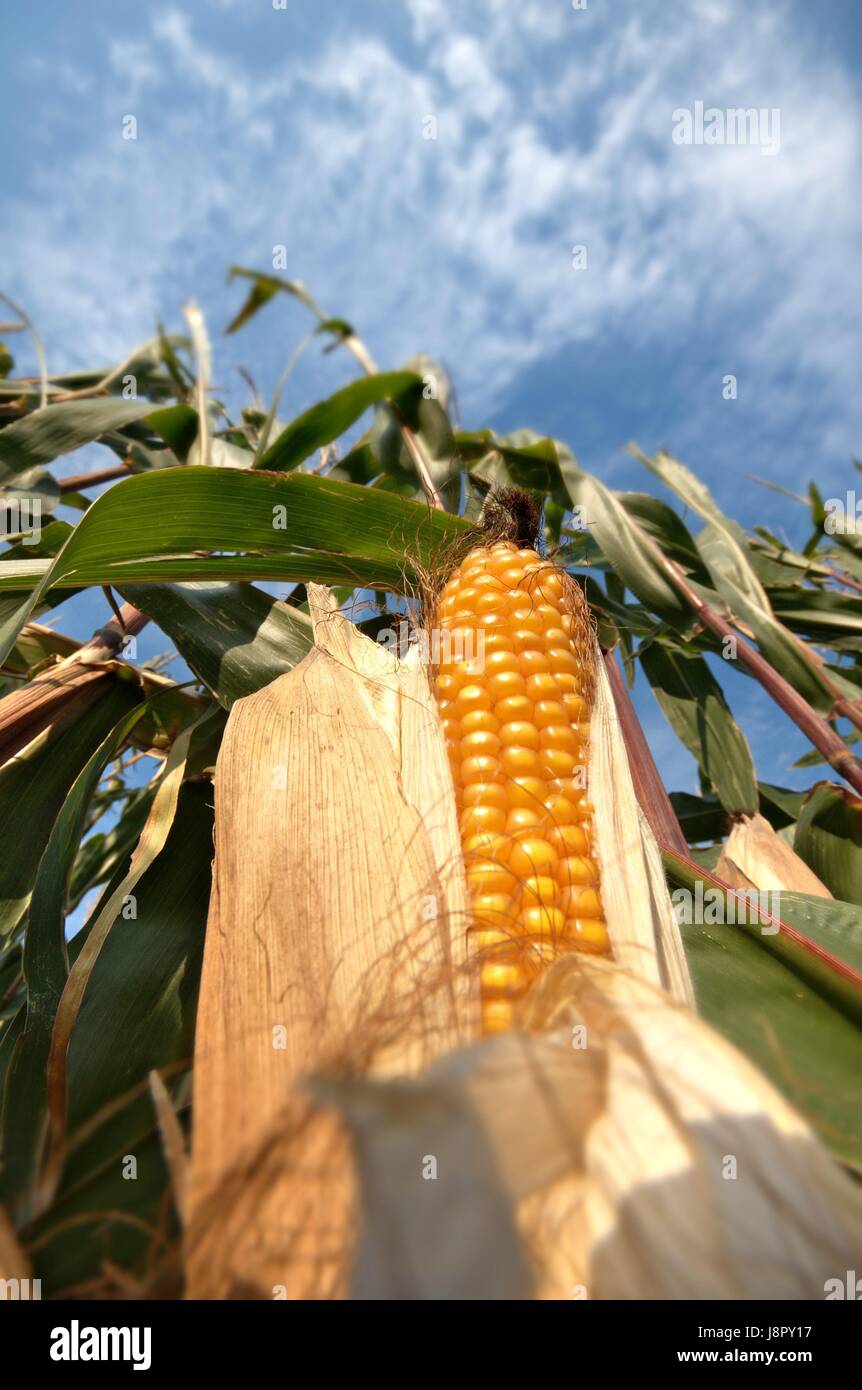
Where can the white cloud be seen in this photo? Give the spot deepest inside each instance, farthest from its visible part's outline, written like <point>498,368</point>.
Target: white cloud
<point>204,68</point>
<point>134,62</point>
<point>466,69</point>
<point>62,75</point>
<point>429,17</point>
<point>554,128</point>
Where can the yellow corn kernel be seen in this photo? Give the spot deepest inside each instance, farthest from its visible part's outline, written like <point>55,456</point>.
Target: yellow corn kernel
<point>479,769</point>
<point>527,620</point>
<point>569,840</point>
<point>526,791</point>
<point>499,685</point>
<point>578,871</point>
<point>495,942</point>
<point>503,978</point>
<point>542,921</point>
<point>487,876</point>
<point>557,762</point>
<point>477,721</point>
<point>523,818</point>
<point>513,709</point>
<point>554,637</point>
<point>476,819</point>
<point>520,762</point>
<point>471,697</point>
<point>559,811</point>
<point>560,736</point>
<point>533,855</point>
<point>479,745</point>
<point>486,794</point>
<point>485,844</point>
<point>562,659</point>
<point>581,902</point>
<point>492,911</point>
<point>550,713</point>
<point>532,662</point>
<point>540,891</point>
<point>588,934</point>
<point>496,641</point>
<point>520,733</point>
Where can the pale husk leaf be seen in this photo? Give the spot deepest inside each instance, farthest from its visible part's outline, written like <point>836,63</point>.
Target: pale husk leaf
<point>658,1214</point>
<point>755,856</point>
<point>336,936</point>
<point>640,1155</point>
<point>643,930</point>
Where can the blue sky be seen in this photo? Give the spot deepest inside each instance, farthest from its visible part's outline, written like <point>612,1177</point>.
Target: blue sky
<point>304,127</point>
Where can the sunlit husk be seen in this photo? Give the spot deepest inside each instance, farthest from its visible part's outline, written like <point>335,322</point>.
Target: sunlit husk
<point>698,1180</point>
<point>336,938</point>
<point>644,933</point>
<point>613,1147</point>
<point>755,856</point>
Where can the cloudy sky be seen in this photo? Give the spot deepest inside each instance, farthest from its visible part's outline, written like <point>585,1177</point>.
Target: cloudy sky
<point>429,166</point>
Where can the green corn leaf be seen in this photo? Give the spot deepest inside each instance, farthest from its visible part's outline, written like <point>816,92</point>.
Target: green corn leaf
<point>54,430</point>
<point>695,707</point>
<point>145,530</point>
<point>328,419</point>
<point>829,839</point>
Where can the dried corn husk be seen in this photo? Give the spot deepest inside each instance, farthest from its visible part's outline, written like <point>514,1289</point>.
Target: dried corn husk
<point>639,1154</point>
<point>336,936</point>
<point>641,924</point>
<point>699,1180</point>
<point>755,856</point>
<point>550,1161</point>
<point>59,695</point>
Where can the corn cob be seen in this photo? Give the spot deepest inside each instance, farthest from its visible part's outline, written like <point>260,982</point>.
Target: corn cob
<point>514,688</point>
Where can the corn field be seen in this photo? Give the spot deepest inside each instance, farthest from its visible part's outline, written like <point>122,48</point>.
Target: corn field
<point>367,955</point>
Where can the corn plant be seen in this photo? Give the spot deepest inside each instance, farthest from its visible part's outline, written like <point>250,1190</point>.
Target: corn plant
<point>106,774</point>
